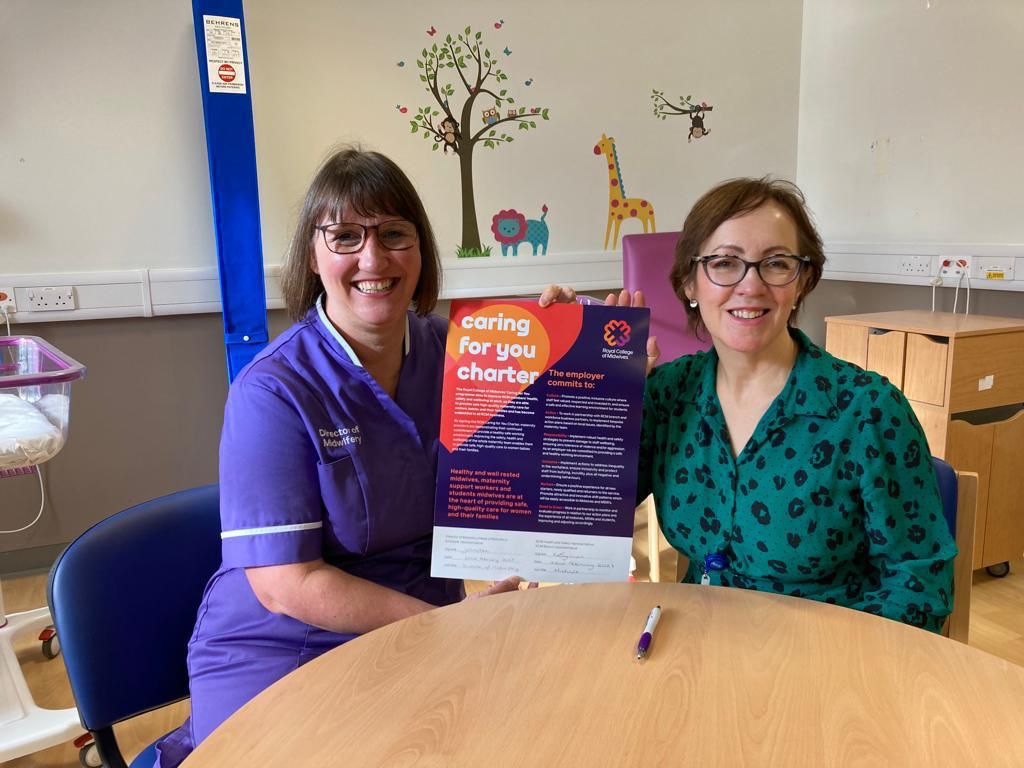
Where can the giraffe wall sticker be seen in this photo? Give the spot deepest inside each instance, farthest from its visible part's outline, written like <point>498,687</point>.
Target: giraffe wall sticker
<point>619,206</point>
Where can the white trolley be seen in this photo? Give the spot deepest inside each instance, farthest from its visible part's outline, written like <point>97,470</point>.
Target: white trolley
<point>35,406</point>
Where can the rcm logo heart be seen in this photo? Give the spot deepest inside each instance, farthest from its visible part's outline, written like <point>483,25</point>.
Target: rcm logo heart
<point>616,333</point>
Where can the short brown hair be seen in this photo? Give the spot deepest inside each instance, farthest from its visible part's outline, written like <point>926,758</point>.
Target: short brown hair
<point>371,184</point>
<point>727,201</point>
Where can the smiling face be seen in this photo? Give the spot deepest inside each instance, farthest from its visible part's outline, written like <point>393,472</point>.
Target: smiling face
<point>749,317</point>
<point>368,292</point>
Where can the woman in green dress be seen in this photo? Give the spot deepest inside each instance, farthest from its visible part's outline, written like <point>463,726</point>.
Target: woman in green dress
<point>774,465</point>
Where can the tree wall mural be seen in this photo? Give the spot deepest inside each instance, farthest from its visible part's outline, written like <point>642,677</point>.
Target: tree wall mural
<point>471,107</point>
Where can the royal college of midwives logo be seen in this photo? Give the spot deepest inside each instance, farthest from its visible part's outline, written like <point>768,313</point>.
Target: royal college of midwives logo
<point>616,333</point>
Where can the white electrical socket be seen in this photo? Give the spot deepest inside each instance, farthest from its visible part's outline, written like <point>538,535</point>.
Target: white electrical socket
<point>992,268</point>
<point>916,265</point>
<point>954,266</point>
<point>7,299</point>
<point>51,298</point>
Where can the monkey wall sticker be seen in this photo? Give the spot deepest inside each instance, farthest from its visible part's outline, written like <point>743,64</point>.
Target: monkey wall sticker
<point>663,109</point>
<point>450,134</point>
<point>697,129</point>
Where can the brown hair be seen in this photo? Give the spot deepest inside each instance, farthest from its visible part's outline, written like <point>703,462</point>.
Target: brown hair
<point>370,184</point>
<point>727,201</point>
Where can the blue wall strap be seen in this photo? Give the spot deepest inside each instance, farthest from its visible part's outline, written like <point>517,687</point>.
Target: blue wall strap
<point>231,149</point>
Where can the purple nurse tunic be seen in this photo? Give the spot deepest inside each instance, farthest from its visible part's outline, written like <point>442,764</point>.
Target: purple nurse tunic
<point>316,460</point>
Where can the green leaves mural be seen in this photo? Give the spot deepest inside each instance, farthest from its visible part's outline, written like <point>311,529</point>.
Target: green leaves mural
<point>463,68</point>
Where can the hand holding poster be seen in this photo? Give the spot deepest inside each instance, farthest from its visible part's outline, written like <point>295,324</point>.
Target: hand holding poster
<point>540,426</point>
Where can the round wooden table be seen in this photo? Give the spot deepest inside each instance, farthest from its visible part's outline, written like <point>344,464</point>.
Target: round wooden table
<point>549,677</point>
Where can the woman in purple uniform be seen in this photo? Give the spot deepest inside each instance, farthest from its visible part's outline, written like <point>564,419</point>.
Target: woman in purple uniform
<point>329,449</point>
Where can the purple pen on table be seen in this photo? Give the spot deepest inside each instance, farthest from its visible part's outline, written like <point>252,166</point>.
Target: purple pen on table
<point>644,644</point>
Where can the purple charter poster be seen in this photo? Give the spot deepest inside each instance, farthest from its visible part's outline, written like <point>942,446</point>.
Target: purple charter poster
<point>540,428</point>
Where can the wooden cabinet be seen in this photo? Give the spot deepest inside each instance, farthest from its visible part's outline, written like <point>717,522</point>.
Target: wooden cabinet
<point>952,368</point>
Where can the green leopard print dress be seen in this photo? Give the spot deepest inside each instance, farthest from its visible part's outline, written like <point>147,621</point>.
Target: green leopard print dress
<point>833,498</point>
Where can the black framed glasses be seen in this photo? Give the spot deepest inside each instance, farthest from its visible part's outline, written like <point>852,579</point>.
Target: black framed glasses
<point>781,269</point>
<point>349,237</point>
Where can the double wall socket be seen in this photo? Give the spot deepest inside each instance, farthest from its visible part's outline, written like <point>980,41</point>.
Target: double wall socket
<point>916,265</point>
<point>51,298</point>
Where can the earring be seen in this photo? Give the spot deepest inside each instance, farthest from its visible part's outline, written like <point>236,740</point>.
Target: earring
<point>693,303</point>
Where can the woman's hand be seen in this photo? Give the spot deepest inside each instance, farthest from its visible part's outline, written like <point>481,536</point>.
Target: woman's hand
<point>625,299</point>
<point>636,299</point>
<point>511,584</point>
<point>557,294</point>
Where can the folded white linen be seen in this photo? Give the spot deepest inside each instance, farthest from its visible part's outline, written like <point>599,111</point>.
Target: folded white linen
<point>55,407</point>
<point>27,436</point>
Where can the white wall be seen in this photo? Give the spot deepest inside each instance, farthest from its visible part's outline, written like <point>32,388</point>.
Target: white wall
<point>898,117</point>
<point>103,158</point>
<point>910,119</point>
<point>102,152</point>
<point>593,63</point>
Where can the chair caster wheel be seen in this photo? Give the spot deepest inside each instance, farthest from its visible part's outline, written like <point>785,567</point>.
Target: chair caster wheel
<point>999,570</point>
<point>89,756</point>
<point>51,643</point>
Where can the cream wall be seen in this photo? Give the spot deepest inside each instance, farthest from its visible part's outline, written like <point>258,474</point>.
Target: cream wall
<point>102,150</point>
<point>910,116</point>
<point>102,125</point>
<point>592,63</point>
<point>909,131</point>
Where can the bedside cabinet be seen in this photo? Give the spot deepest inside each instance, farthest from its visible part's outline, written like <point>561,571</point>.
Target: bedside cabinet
<point>953,369</point>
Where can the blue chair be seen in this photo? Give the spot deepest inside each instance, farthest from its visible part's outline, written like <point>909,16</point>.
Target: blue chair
<point>958,491</point>
<point>945,475</point>
<point>124,597</point>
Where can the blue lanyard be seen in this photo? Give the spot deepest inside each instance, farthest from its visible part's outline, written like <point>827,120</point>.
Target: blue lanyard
<point>715,561</point>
